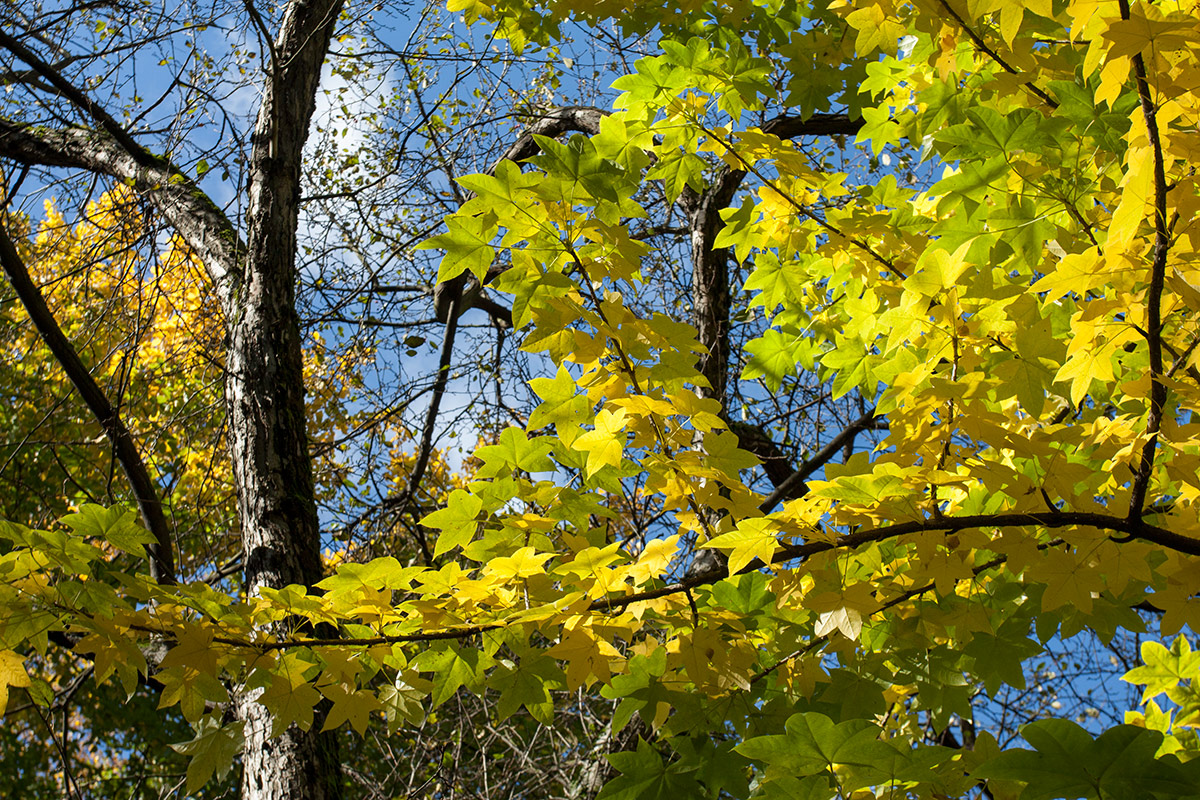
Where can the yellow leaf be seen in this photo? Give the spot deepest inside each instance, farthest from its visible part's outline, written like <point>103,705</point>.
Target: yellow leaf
<point>1081,369</point>
<point>752,539</point>
<point>846,620</point>
<point>1136,191</point>
<point>524,563</point>
<point>349,704</point>
<point>12,673</point>
<point>605,444</point>
<point>1076,272</point>
<point>1112,80</point>
<point>655,559</point>
<point>1131,36</point>
<point>588,657</point>
<point>876,29</point>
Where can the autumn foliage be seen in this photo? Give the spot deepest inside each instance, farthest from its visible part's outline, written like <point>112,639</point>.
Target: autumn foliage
<point>1021,328</point>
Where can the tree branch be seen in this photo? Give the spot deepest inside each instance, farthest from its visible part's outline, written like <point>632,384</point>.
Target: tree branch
<point>554,123</point>
<point>162,561</point>
<point>983,47</point>
<point>1158,268</point>
<point>793,486</point>
<point>1132,529</point>
<point>78,99</point>
<point>193,215</point>
<point>710,270</point>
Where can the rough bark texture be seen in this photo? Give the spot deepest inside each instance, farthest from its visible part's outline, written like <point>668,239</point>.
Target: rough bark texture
<point>710,289</point>
<point>265,394</point>
<point>711,302</point>
<point>265,380</point>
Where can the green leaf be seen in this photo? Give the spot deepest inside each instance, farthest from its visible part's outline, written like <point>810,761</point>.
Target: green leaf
<point>778,284</point>
<point>578,161</point>
<point>211,751</point>
<point>812,744</point>
<point>772,357</point>
<point>457,521</point>
<point>453,668</point>
<point>1163,669</point>
<point>288,695</point>
<point>468,246</point>
<point>118,526</point>
<point>1067,762</point>
<point>515,451</point>
<point>645,776</point>
<point>528,683</point>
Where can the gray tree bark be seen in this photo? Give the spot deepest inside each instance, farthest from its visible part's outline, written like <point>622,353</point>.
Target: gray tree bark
<point>268,441</point>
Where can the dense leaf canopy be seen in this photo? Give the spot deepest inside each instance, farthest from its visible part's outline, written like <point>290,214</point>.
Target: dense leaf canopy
<point>1008,293</point>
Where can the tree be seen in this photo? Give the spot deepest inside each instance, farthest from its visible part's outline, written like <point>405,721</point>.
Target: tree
<point>1016,331</point>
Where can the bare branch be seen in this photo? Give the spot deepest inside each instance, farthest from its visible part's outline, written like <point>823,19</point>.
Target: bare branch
<point>793,486</point>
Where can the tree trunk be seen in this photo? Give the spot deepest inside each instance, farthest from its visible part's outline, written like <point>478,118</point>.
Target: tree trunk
<point>268,440</point>
<point>710,289</point>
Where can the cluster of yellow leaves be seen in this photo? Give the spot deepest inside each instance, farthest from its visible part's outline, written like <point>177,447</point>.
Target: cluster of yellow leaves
<point>148,330</point>
<point>1002,321</point>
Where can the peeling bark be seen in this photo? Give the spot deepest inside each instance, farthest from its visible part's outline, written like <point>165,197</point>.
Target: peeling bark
<point>255,282</point>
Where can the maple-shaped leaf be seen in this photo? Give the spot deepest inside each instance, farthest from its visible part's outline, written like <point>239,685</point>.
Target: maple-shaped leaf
<point>998,657</point>
<point>211,751</point>
<point>113,649</point>
<point>588,657</point>
<point>644,776</point>
<point>778,283</point>
<point>118,526</point>
<point>578,161</point>
<point>403,700</point>
<point>773,357</point>
<point>457,521</point>
<point>561,406</point>
<point>877,28</point>
<point>192,689</point>
<point>193,649</point>
<point>1162,669</point>
<point>289,696</point>
<point>812,744</point>
<point>524,563</point>
<point>754,538</point>
<point>724,453</point>
<point>507,182</point>
<point>1131,36</point>
<point>655,559</point>
<point>739,233</point>
<point>1067,762</point>
<point>452,668</point>
<point>606,443</point>
<point>848,621</point>
<point>378,573</point>
<point>467,244</point>
<point>515,450</point>
<point>528,683</point>
<point>349,705</point>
